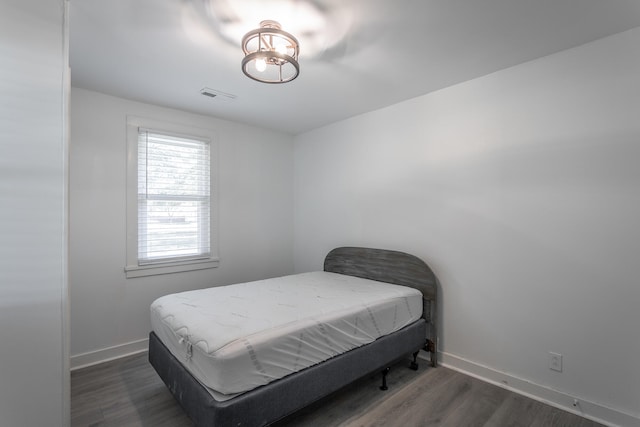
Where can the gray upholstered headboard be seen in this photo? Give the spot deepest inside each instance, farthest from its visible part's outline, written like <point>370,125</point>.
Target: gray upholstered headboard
<point>391,267</point>
<point>384,266</point>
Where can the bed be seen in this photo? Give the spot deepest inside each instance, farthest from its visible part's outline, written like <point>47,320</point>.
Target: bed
<point>269,395</point>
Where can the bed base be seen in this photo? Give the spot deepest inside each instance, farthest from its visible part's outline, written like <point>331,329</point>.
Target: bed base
<point>271,402</point>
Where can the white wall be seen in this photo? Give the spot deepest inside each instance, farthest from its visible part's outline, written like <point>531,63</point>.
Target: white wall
<point>109,313</point>
<point>522,190</point>
<point>33,352</point>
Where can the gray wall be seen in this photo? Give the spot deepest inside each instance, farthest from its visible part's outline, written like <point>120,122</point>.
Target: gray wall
<point>33,284</point>
<point>109,313</point>
<point>522,190</point>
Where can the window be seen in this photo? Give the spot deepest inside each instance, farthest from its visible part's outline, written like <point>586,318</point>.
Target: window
<point>170,221</point>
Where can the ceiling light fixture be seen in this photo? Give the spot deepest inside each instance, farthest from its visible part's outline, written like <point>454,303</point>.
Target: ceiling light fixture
<point>271,55</point>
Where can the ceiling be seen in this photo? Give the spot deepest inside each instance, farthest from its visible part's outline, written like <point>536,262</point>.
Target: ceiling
<point>356,55</point>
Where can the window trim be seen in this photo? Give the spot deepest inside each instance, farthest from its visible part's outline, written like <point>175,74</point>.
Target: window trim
<point>133,268</point>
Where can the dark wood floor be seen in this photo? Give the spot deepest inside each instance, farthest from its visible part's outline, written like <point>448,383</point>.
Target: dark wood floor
<point>127,392</point>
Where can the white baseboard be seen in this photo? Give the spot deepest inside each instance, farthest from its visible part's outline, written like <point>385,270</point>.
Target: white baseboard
<point>110,353</point>
<point>590,410</point>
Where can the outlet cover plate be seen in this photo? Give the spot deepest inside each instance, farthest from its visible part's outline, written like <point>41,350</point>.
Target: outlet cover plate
<point>555,361</point>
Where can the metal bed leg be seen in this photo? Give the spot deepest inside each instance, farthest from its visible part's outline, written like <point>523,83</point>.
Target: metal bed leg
<point>385,371</point>
<point>414,363</point>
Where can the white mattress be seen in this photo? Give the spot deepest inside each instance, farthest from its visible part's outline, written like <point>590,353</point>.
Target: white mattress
<point>235,338</point>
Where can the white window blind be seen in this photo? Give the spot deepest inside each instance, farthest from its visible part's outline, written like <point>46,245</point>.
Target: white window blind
<point>174,198</point>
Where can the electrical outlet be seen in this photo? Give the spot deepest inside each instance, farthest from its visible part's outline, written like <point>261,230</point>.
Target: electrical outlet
<point>555,361</point>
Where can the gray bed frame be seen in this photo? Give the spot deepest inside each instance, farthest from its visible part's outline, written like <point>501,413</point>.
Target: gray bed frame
<point>269,403</point>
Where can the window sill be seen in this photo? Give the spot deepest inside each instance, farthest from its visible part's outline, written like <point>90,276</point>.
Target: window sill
<point>133,271</point>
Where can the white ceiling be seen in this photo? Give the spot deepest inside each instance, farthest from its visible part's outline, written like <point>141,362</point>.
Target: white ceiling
<point>356,55</point>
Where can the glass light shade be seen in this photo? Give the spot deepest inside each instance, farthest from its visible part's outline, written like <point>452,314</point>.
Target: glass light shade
<point>260,64</point>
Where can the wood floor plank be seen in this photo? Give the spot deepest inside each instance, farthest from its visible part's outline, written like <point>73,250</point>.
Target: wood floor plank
<point>86,410</point>
<point>424,404</point>
<point>128,393</point>
<point>515,411</point>
<point>478,406</point>
<point>551,417</point>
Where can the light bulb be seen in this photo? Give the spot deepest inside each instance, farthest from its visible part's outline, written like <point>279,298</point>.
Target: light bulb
<point>261,64</point>
<point>282,48</point>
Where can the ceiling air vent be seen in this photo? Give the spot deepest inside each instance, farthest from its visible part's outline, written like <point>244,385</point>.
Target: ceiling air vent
<point>217,95</point>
